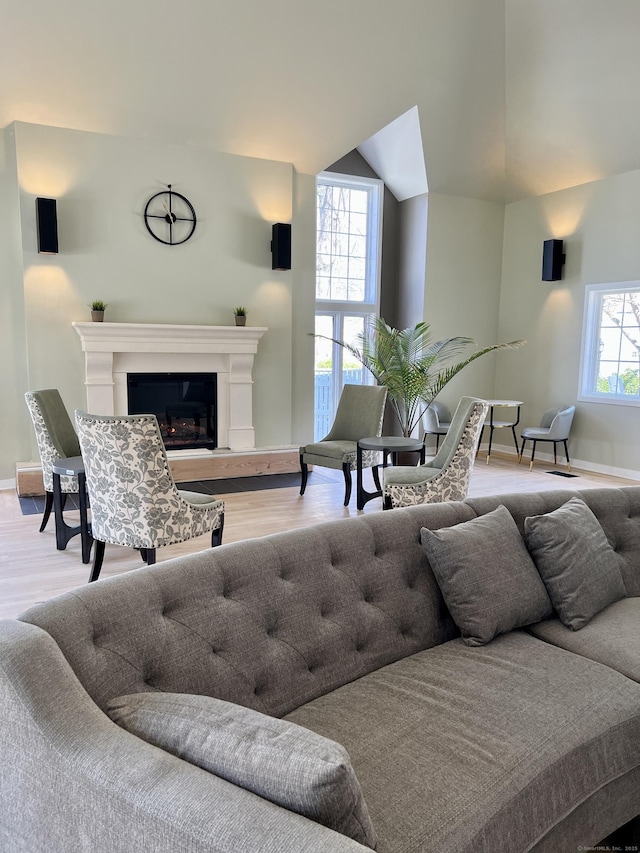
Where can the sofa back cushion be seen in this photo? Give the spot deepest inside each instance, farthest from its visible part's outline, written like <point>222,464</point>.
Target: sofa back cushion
<point>489,581</point>
<point>272,623</point>
<point>617,510</point>
<point>576,562</point>
<point>268,623</point>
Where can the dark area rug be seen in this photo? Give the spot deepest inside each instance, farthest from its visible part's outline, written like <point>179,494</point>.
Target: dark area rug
<point>562,474</point>
<point>35,505</point>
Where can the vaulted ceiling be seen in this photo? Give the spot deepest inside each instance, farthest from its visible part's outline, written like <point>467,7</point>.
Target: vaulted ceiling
<point>514,97</point>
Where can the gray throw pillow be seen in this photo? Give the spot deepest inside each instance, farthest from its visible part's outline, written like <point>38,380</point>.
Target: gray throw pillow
<point>487,578</point>
<point>278,760</point>
<point>576,562</point>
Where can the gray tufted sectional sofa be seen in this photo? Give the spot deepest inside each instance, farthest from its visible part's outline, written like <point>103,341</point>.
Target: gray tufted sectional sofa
<point>520,744</point>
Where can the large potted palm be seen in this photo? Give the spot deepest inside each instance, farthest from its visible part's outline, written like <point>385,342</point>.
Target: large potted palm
<point>412,367</point>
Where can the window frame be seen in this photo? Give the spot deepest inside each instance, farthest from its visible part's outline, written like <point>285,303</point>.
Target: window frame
<point>590,349</point>
<point>371,301</point>
<point>339,309</point>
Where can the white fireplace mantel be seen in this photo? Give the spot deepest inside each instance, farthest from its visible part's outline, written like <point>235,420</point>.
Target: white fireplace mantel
<point>114,349</point>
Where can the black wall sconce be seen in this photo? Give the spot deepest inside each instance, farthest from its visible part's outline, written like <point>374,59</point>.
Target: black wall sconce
<point>280,246</point>
<point>47,226</point>
<point>553,259</point>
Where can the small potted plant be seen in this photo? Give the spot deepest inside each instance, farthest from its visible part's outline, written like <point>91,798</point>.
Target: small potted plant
<point>240,313</point>
<point>97,310</point>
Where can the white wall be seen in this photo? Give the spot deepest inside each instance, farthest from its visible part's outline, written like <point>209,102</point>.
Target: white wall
<point>409,307</point>
<point>462,295</point>
<point>599,222</point>
<point>13,349</point>
<point>102,184</point>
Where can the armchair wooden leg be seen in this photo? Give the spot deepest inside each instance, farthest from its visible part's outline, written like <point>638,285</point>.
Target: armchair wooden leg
<point>48,506</point>
<point>98,556</point>
<point>346,470</point>
<point>533,453</point>
<point>216,535</point>
<point>148,555</point>
<point>566,453</point>
<point>304,471</point>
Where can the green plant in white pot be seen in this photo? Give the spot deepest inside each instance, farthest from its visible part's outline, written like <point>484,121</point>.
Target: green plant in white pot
<point>413,369</point>
<point>240,313</point>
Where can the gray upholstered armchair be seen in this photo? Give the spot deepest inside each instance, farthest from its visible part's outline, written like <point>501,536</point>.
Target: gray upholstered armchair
<point>134,499</point>
<point>359,415</point>
<point>555,426</point>
<point>446,476</point>
<point>56,438</point>
<point>436,421</point>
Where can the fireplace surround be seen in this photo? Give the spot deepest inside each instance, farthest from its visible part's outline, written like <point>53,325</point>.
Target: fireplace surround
<point>112,350</point>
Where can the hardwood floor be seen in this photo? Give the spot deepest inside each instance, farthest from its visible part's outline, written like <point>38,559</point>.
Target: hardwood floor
<point>32,570</point>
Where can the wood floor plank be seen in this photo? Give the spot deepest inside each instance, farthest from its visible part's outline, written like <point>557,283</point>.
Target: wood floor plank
<point>32,570</point>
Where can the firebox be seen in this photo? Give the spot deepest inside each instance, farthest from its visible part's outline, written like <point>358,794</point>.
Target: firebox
<point>184,403</point>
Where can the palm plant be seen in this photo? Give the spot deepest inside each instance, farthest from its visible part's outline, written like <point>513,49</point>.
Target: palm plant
<point>412,368</point>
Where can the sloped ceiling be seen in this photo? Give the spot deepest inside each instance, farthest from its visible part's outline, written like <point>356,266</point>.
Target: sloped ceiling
<point>396,154</point>
<point>514,97</point>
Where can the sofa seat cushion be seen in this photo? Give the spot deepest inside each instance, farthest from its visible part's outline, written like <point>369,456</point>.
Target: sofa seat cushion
<point>336,450</point>
<point>458,748</point>
<point>281,762</point>
<point>612,637</point>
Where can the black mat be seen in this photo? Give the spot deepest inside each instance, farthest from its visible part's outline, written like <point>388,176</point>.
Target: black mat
<point>35,505</point>
<point>562,474</point>
<point>254,484</point>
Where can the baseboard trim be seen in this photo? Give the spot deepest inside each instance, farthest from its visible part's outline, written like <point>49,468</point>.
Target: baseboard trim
<point>507,452</point>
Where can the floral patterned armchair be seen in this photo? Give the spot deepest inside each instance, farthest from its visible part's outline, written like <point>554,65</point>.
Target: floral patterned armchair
<point>56,438</point>
<point>446,476</point>
<point>134,499</point>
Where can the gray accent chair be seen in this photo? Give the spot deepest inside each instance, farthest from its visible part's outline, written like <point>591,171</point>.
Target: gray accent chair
<point>555,426</point>
<point>446,476</point>
<point>134,499</point>
<point>56,438</point>
<point>436,421</point>
<point>359,415</point>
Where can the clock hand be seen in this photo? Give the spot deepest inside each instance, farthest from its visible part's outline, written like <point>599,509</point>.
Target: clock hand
<point>171,216</point>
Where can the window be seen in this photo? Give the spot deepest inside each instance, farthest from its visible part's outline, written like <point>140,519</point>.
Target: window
<point>348,251</point>
<point>611,344</point>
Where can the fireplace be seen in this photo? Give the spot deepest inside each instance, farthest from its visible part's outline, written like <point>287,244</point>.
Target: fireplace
<point>114,350</point>
<point>184,404</point>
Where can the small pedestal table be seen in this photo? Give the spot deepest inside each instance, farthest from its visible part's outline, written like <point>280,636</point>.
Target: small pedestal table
<point>73,466</point>
<point>385,444</point>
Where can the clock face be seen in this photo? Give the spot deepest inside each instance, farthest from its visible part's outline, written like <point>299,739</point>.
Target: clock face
<point>170,217</point>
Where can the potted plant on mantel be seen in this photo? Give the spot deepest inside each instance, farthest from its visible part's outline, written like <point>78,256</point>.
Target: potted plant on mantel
<point>240,313</point>
<point>412,368</point>
<point>97,310</point>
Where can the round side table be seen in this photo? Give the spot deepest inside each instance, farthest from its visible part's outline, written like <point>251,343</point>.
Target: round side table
<point>73,466</point>
<point>385,444</point>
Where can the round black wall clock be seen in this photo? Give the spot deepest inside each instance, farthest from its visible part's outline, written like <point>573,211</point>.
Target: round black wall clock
<point>170,217</point>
